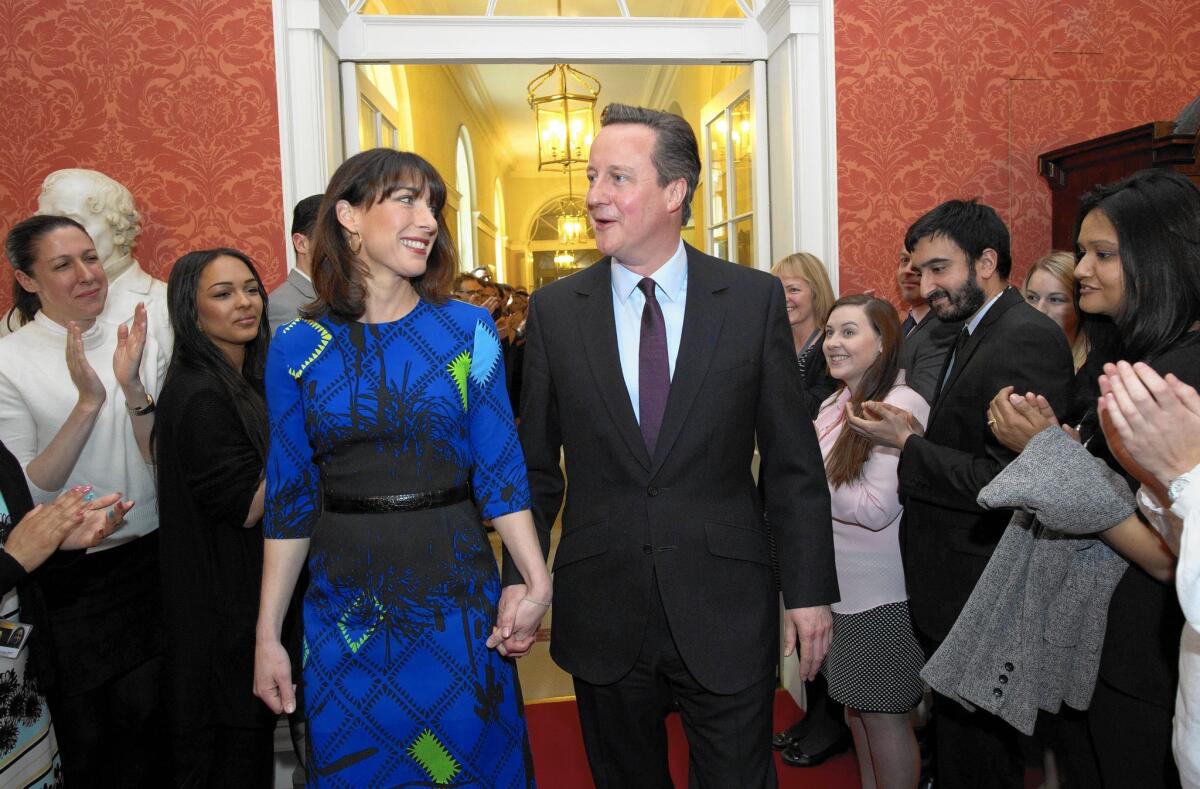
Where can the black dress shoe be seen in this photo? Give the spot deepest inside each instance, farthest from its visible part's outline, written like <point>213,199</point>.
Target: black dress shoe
<point>790,736</point>
<point>796,756</point>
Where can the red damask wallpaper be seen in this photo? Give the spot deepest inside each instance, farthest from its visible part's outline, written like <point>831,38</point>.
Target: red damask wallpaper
<point>956,98</point>
<point>173,98</point>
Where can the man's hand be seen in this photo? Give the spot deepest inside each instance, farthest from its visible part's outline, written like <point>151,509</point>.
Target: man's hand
<point>884,424</point>
<point>1156,420</point>
<point>1015,419</point>
<point>813,628</point>
<point>504,638</point>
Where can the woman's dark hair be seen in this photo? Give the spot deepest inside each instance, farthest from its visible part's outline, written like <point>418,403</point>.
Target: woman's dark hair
<point>339,277</point>
<point>850,452</point>
<point>970,224</point>
<point>1156,214</point>
<point>21,248</point>
<point>195,350</point>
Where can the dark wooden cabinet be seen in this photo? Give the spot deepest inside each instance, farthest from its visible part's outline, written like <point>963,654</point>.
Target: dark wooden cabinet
<point>1073,170</point>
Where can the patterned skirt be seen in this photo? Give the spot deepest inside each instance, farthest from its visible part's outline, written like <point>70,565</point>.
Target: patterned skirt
<point>874,662</point>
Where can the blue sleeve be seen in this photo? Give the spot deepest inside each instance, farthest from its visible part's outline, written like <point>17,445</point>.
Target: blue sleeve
<point>291,506</point>
<point>498,465</point>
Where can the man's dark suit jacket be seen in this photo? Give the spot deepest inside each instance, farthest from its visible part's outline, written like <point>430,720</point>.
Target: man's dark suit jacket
<point>923,353</point>
<point>946,536</point>
<point>688,518</point>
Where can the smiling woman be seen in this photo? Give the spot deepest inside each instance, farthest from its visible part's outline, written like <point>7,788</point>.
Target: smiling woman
<point>210,444</point>
<point>76,408</point>
<point>388,414</point>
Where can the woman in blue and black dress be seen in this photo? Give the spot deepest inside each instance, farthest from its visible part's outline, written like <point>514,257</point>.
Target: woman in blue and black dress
<point>391,436</point>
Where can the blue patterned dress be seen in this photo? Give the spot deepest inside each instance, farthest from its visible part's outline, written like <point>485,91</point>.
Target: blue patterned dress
<point>399,687</point>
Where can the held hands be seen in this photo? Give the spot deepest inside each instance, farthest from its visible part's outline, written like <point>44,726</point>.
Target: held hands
<point>813,628</point>
<point>68,522</point>
<point>1015,419</point>
<point>273,676</point>
<point>1152,423</point>
<point>517,620</point>
<point>884,424</point>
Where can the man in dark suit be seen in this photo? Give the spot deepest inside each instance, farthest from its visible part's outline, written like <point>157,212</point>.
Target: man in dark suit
<point>654,371</point>
<point>927,338</point>
<point>961,249</point>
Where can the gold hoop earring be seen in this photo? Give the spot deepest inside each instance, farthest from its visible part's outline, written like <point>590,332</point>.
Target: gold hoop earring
<point>355,248</point>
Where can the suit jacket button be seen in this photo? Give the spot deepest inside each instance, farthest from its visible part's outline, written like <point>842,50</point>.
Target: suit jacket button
<point>647,549</point>
<point>1008,667</point>
<point>997,692</point>
<point>653,491</point>
<point>1003,679</point>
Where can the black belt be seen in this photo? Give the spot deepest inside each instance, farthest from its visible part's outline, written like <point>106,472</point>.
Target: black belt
<point>397,502</point>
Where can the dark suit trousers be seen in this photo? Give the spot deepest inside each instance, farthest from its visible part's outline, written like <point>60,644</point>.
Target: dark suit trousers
<point>972,750</point>
<point>624,724</point>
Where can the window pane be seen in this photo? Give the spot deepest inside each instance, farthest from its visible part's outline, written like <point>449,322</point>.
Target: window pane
<point>741,137</point>
<point>744,231</point>
<point>387,136</point>
<point>366,125</point>
<point>720,242</point>
<point>717,130</point>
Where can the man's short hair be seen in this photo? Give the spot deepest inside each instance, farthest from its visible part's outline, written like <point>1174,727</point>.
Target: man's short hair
<point>972,225</point>
<point>304,215</point>
<point>675,153</point>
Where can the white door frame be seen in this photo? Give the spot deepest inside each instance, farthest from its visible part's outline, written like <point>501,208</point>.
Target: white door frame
<point>793,38</point>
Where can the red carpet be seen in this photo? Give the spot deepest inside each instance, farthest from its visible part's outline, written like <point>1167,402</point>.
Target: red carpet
<point>559,761</point>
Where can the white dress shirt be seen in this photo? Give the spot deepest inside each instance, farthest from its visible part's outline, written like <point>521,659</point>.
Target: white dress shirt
<point>628,301</point>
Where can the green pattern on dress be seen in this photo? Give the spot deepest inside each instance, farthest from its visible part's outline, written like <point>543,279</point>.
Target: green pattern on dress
<point>354,611</point>
<point>433,757</point>
<point>459,369</point>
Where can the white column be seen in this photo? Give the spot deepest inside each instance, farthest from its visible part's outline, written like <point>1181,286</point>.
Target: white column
<point>310,113</point>
<point>802,130</point>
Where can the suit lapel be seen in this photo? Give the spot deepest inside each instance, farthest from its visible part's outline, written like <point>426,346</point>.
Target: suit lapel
<point>598,338</point>
<point>703,316</point>
<point>1009,297</point>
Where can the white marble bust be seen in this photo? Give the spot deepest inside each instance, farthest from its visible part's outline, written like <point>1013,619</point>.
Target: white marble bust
<point>105,208</point>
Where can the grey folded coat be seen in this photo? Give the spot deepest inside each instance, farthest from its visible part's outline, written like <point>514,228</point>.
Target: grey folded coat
<point>1029,636</point>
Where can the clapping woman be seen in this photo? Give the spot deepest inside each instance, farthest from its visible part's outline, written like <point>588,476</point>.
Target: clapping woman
<point>874,659</point>
<point>210,447</point>
<point>1138,284</point>
<point>76,409</point>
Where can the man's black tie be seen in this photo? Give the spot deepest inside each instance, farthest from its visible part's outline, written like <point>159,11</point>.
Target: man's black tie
<point>654,372</point>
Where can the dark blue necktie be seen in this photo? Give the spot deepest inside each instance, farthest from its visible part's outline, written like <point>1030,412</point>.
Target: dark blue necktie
<point>654,373</point>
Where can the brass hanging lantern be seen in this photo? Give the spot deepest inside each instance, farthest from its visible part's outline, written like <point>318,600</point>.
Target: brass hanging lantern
<point>563,100</point>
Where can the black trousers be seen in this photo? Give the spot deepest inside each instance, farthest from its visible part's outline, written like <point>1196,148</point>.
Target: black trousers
<point>972,750</point>
<point>113,735</point>
<point>624,724</point>
<point>1132,740</point>
<point>218,756</point>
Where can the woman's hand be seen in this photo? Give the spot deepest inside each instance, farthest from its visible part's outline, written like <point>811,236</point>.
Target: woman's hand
<point>127,359</point>
<point>273,677</point>
<point>91,389</point>
<point>1014,419</point>
<point>103,517</point>
<point>67,522</point>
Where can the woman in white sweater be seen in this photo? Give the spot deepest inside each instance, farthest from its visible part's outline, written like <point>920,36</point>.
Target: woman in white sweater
<point>76,408</point>
<point>874,660</point>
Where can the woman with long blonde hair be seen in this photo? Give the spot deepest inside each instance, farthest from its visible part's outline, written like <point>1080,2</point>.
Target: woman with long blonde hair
<point>1050,288</point>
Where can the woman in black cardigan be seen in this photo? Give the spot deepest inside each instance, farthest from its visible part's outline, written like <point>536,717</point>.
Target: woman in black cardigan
<point>73,522</point>
<point>209,447</point>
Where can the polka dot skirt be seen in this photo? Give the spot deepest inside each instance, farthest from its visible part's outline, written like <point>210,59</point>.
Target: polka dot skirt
<point>874,661</point>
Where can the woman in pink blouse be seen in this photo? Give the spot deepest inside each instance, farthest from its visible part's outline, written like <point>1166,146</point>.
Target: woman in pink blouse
<point>873,663</point>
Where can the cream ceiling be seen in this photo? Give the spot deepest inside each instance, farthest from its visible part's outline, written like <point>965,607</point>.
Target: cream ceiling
<point>572,8</point>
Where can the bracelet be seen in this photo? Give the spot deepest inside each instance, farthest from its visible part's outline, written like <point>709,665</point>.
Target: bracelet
<point>148,408</point>
<point>543,603</point>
